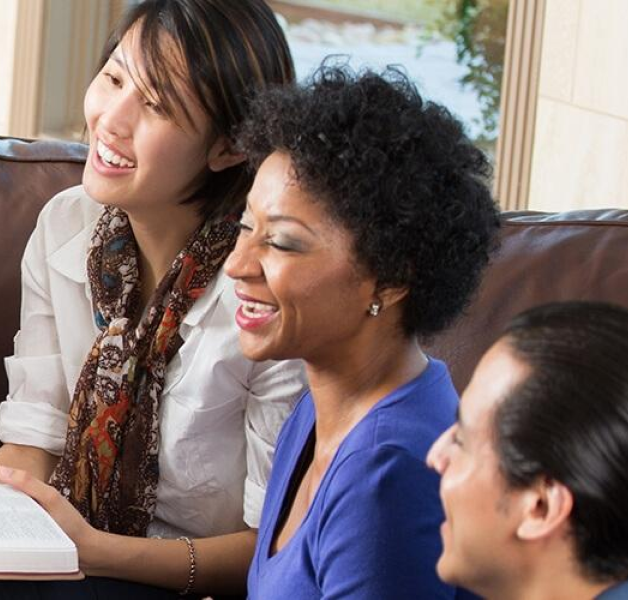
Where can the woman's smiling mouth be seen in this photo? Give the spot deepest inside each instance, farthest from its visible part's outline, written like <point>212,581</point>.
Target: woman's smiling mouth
<point>111,158</point>
<point>256,310</point>
<point>252,313</point>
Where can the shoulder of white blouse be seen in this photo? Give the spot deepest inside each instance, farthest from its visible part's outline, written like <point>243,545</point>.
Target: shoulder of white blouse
<point>69,212</point>
<point>65,225</point>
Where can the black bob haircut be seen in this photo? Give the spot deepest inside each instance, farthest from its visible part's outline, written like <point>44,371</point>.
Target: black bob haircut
<point>568,421</point>
<point>397,172</point>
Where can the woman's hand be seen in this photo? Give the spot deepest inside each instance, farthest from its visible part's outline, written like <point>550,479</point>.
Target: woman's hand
<point>67,517</point>
<point>223,561</point>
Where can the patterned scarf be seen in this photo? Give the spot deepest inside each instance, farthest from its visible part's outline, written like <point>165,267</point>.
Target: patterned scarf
<point>109,469</point>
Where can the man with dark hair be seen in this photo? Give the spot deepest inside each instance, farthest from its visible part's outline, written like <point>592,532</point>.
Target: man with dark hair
<point>534,479</point>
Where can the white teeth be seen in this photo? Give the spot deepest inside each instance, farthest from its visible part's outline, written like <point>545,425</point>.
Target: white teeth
<point>256,310</point>
<point>109,156</point>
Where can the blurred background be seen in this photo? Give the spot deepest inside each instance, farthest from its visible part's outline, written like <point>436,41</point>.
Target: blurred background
<point>538,84</point>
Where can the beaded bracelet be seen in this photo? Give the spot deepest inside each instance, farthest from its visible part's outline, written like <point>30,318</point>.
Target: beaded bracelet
<point>192,572</point>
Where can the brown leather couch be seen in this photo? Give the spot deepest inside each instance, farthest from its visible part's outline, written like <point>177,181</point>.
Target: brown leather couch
<point>543,257</point>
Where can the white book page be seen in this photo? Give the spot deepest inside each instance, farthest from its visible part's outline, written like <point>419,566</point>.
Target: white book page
<point>30,540</point>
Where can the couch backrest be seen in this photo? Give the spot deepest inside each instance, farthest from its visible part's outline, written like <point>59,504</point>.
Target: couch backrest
<point>30,174</point>
<point>543,257</point>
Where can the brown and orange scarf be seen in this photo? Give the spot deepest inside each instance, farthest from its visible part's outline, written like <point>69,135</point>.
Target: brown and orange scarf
<point>109,469</point>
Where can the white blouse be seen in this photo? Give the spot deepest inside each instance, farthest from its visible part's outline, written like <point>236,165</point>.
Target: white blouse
<point>220,413</point>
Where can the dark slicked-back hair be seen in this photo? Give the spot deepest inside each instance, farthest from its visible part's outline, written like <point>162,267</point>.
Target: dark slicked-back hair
<point>397,172</point>
<point>229,48</point>
<point>568,421</point>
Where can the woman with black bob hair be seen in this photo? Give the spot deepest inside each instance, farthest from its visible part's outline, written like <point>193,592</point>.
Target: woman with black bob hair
<point>536,465</point>
<point>128,391</point>
<point>366,231</point>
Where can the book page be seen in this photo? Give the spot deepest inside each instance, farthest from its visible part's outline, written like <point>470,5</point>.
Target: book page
<point>30,540</point>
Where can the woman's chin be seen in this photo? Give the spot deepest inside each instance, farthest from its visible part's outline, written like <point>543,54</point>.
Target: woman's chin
<point>252,346</point>
<point>258,347</point>
<point>95,188</point>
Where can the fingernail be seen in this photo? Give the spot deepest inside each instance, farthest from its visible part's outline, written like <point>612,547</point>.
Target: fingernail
<point>6,472</point>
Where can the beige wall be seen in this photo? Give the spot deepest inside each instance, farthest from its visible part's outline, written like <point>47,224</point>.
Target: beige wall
<point>8,19</point>
<point>48,52</point>
<point>75,33</point>
<point>580,156</point>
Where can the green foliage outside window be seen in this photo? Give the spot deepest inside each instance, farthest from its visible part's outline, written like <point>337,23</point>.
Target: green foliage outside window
<point>477,27</point>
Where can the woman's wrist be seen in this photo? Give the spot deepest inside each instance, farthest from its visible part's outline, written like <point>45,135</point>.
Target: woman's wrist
<point>189,587</point>
<point>93,549</point>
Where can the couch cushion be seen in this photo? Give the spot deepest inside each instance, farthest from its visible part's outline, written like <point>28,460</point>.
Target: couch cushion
<point>544,257</point>
<point>30,174</point>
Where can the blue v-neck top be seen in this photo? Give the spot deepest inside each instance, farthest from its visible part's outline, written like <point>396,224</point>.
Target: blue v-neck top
<point>372,530</point>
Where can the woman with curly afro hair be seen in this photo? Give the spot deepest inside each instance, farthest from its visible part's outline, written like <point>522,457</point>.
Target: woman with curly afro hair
<point>365,232</point>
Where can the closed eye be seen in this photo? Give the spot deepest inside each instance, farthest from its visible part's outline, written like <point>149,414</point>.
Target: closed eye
<point>153,106</point>
<point>113,79</point>
<point>456,439</point>
<point>273,242</point>
<point>279,246</point>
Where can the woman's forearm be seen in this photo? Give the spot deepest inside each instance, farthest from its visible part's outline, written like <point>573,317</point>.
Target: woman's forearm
<point>35,461</point>
<point>222,562</point>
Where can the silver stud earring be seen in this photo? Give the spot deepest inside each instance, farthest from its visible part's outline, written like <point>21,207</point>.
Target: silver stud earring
<point>374,308</point>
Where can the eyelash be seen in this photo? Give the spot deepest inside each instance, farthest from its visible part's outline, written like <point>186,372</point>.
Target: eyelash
<point>456,439</point>
<point>278,247</point>
<point>156,108</point>
<point>115,81</point>
<point>112,79</point>
<point>247,228</point>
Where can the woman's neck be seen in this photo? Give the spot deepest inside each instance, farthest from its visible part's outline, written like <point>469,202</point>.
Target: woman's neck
<point>344,393</point>
<point>159,239</point>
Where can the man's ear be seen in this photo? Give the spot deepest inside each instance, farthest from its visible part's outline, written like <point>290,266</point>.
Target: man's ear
<point>222,155</point>
<point>546,509</point>
<point>391,296</point>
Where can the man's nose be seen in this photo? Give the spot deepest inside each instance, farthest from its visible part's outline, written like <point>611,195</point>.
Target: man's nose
<point>438,457</point>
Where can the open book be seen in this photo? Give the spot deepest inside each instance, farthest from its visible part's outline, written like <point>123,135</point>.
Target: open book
<point>32,545</point>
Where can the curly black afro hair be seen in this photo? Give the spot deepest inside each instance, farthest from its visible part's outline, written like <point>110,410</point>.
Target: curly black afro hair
<point>397,172</point>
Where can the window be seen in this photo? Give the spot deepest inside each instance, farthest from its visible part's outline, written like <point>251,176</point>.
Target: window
<point>452,49</point>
